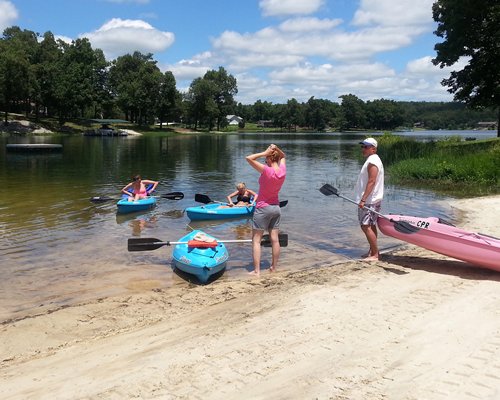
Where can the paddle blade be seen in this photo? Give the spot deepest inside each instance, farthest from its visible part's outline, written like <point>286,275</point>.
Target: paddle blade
<point>173,196</point>
<point>445,222</point>
<point>101,199</point>
<point>328,190</point>
<point>283,239</point>
<point>404,227</point>
<point>145,244</point>
<point>202,198</point>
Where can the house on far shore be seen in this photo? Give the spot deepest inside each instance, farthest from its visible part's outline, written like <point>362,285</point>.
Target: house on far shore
<point>233,119</point>
<point>487,125</point>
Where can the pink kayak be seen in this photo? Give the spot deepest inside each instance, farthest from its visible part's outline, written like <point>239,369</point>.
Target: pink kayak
<point>432,234</point>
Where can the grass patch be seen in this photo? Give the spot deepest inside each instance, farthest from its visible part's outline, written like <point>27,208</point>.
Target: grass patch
<point>451,165</point>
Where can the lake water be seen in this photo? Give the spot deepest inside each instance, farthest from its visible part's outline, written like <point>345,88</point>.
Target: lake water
<point>58,248</point>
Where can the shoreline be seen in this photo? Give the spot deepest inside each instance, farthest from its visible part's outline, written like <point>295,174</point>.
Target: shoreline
<point>414,325</point>
<point>29,128</point>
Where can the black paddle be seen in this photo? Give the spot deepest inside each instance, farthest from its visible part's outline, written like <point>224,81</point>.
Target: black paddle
<point>145,244</point>
<point>203,198</point>
<point>400,226</point>
<point>170,196</point>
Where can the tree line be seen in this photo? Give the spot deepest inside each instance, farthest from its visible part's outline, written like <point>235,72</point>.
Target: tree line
<point>352,113</point>
<point>42,76</point>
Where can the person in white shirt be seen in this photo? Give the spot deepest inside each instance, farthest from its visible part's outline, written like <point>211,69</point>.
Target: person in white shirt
<point>369,193</point>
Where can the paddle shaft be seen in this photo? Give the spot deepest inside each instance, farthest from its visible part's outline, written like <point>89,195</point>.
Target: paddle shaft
<point>203,198</point>
<point>365,207</point>
<point>217,241</point>
<point>400,226</point>
<point>170,196</point>
<point>145,244</point>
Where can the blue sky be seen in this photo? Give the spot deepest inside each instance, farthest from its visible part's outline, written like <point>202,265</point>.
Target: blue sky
<point>276,49</point>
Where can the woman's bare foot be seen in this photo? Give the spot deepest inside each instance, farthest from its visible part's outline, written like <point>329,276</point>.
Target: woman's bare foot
<point>370,258</point>
<point>272,269</point>
<point>369,254</point>
<point>254,273</point>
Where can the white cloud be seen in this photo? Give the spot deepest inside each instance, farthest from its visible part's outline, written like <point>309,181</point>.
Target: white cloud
<point>187,70</point>
<point>424,67</point>
<point>331,75</point>
<point>246,61</point>
<point>421,80</point>
<point>289,7</point>
<point>393,13</point>
<point>335,45</point>
<point>384,25</point>
<point>118,37</point>
<point>8,14</point>
<point>308,24</point>
<point>251,89</point>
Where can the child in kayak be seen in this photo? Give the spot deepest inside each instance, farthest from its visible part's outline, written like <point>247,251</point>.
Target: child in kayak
<point>244,197</point>
<point>139,188</point>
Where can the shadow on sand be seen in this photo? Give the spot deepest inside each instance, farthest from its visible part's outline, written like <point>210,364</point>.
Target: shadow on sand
<point>438,266</point>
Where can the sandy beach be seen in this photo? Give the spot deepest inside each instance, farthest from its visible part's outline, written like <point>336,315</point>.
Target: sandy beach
<point>415,325</point>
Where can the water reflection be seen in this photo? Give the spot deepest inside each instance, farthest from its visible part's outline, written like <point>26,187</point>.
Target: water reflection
<point>138,223</point>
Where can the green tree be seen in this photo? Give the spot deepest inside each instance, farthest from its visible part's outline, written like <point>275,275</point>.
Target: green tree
<point>244,111</point>
<point>225,88</point>
<point>148,93</point>
<point>79,80</point>
<point>169,99</point>
<point>293,115</point>
<point>279,115</point>
<point>135,82</point>
<point>46,60</point>
<point>384,114</point>
<point>202,107</point>
<point>353,114</point>
<point>17,48</point>
<point>103,101</point>
<point>315,115</point>
<point>471,29</point>
<point>319,113</point>
<point>262,111</point>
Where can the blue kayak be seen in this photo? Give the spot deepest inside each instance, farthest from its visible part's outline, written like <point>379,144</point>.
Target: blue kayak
<point>125,206</point>
<point>218,211</point>
<point>202,262</point>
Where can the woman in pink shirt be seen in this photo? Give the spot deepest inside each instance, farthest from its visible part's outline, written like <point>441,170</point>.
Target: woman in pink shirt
<point>267,210</point>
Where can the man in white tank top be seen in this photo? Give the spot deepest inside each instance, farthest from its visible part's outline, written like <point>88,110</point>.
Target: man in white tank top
<point>369,193</point>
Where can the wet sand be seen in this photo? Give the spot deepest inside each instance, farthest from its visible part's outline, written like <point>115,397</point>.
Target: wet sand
<point>415,325</point>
